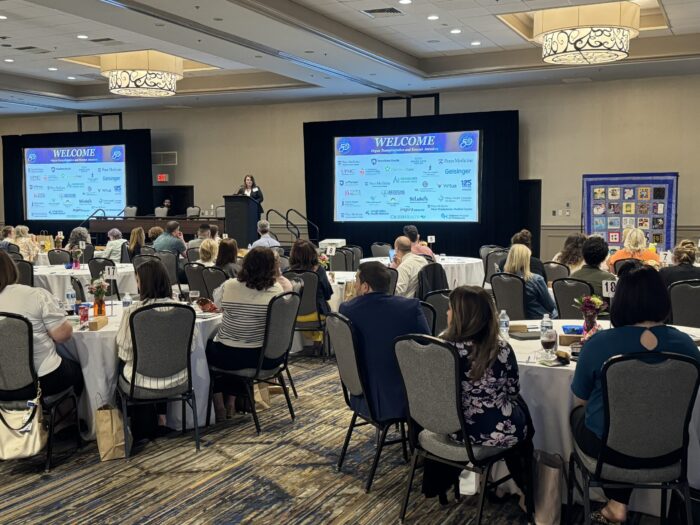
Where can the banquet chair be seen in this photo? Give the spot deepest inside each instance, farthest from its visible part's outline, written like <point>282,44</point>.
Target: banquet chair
<point>125,258</point>
<point>284,263</point>
<point>138,260</point>
<point>430,315</point>
<point>97,267</point>
<point>342,339</point>
<point>195,279</point>
<point>430,278</point>
<point>213,278</point>
<point>162,344</point>
<point>169,260</point>
<point>193,212</point>
<point>485,250</point>
<point>59,257</point>
<point>308,305</point>
<point>26,273</point>
<point>338,261</point>
<point>130,211</point>
<point>15,256</point>
<point>78,289</point>
<point>192,255</point>
<point>509,294</point>
<point>494,261</point>
<point>221,212</point>
<point>148,250</point>
<point>279,250</point>
<point>380,249</point>
<point>619,264</point>
<point>685,296</point>
<point>432,384</point>
<point>393,279</point>
<point>440,301</point>
<point>18,371</point>
<point>349,258</point>
<point>554,270</point>
<point>357,255</point>
<point>279,333</point>
<point>648,400</point>
<point>12,248</point>
<point>88,253</point>
<point>565,291</point>
<point>161,211</point>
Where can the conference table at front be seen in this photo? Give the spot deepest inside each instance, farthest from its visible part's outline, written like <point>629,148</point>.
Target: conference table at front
<point>460,271</point>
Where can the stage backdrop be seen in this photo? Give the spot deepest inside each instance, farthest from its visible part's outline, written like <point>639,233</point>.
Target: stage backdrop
<point>498,197</point>
<point>647,201</point>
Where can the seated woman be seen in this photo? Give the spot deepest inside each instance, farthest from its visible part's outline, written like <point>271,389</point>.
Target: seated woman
<point>494,414</point>
<point>638,313</point>
<point>303,257</point>
<point>136,241</point>
<point>154,233</point>
<point>635,247</point>
<point>537,299</point>
<point>76,235</point>
<point>49,327</point>
<point>684,260</point>
<point>26,242</point>
<point>113,250</point>
<point>572,253</point>
<point>154,287</point>
<point>207,252</point>
<point>227,258</point>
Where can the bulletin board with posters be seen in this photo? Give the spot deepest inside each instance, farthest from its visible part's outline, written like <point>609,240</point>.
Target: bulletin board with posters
<point>614,202</point>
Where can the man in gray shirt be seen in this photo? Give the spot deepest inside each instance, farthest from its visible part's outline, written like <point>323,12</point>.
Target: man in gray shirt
<point>204,232</point>
<point>171,239</point>
<point>266,240</point>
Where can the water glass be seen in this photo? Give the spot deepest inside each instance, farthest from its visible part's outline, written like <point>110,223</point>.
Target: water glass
<point>194,295</point>
<point>548,338</point>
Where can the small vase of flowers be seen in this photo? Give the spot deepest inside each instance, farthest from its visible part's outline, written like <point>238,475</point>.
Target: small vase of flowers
<point>323,261</point>
<point>591,306</point>
<point>98,288</point>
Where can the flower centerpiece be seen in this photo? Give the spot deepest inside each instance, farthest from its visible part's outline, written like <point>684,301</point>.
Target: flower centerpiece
<point>99,288</point>
<point>76,254</point>
<point>591,306</point>
<point>323,261</point>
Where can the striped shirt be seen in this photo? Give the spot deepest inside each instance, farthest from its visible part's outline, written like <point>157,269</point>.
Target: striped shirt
<point>245,313</point>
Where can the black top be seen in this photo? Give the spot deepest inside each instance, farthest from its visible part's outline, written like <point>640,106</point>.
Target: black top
<point>536,266</point>
<point>135,252</point>
<point>680,272</point>
<point>255,194</point>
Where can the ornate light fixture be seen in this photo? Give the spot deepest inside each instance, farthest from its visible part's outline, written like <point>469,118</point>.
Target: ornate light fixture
<point>142,73</point>
<point>587,34</point>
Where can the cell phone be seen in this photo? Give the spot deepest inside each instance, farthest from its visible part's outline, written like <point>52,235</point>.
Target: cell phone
<point>392,253</point>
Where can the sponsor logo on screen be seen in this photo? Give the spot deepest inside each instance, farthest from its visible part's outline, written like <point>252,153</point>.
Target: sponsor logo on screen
<point>344,146</point>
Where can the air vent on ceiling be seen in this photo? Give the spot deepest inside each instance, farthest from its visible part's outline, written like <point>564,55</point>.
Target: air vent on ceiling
<point>164,158</point>
<point>382,12</point>
<point>33,50</point>
<point>107,41</point>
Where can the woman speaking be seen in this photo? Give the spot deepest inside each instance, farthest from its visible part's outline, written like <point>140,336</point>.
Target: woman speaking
<point>250,189</point>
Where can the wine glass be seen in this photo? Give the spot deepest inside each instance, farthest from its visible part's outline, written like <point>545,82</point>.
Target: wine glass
<point>194,295</point>
<point>548,338</point>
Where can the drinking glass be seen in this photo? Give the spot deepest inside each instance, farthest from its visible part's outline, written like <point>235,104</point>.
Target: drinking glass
<point>194,295</point>
<point>548,338</point>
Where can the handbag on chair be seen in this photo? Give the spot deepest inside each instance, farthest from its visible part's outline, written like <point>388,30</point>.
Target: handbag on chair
<point>22,432</point>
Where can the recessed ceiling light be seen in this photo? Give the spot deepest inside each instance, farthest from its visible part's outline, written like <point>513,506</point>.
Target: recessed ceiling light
<point>53,69</point>
<point>70,78</point>
<point>433,17</point>
<point>475,43</point>
<point>3,17</point>
<point>83,37</point>
<point>258,56</point>
<point>433,41</point>
<point>9,60</point>
<point>455,31</point>
<point>218,19</point>
<point>309,52</point>
<point>405,1</point>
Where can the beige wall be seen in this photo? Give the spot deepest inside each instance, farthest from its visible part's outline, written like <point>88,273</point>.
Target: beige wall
<point>565,130</point>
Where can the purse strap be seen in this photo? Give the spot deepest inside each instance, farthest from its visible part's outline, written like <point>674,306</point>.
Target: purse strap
<point>35,407</point>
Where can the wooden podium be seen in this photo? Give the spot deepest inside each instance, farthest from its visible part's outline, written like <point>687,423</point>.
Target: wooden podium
<point>242,216</point>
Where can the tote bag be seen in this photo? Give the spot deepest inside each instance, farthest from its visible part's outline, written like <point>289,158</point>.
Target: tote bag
<point>22,432</point>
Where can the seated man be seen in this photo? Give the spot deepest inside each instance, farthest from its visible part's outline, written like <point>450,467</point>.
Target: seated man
<point>595,250</point>
<point>266,240</point>
<point>411,232</point>
<point>170,240</point>
<point>203,232</point>
<point>408,265</point>
<point>379,318</point>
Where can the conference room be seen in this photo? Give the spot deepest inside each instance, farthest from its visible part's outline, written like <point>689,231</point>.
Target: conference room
<point>329,261</point>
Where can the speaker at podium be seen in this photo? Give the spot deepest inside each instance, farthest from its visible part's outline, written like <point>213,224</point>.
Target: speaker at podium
<point>242,216</point>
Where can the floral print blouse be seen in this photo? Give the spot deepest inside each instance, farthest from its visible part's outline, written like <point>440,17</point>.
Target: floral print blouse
<point>491,413</point>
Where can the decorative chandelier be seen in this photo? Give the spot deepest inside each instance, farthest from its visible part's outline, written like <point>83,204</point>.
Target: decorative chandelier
<point>587,34</point>
<point>142,73</point>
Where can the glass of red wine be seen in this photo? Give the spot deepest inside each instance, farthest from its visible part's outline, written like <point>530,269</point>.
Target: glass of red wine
<point>548,338</point>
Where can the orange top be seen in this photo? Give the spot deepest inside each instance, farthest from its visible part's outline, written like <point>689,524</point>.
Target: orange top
<point>644,255</point>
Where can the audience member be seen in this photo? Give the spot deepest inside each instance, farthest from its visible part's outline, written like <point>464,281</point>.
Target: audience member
<point>408,264</point>
<point>28,246</point>
<point>203,233</point>
<point>153,233</point>
<point>243,302</point>
<point>525,237</point>
<point>265,239</point>
<point>207,252</point>
<point>49,327</point>
<point>684,260</point>
<point>167,203</point>
<point>227,258</point>
<point>378,318</point>
<point>113,250</point>
<point>171,239</point>
<point>136,241</point>
<point>572,253</point>
<point>641,306</point>
<point>76,235</point>
<point>538,301</point>
<point>635,247</point>
<point>594,250</point>
<point>411,232</point>
<point>214,230</point>
<point>7,233</point>
<point>494,413</point>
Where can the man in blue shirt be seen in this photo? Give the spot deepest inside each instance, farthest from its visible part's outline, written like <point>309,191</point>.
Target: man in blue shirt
<point>171,239</point>
<point>266,240</point>
<point>378,319</point>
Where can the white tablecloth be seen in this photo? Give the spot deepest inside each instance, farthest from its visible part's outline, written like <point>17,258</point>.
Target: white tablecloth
<point>547,391</point>
<point>460,271</point>
<point>97,354</point>
<point>56,279</point>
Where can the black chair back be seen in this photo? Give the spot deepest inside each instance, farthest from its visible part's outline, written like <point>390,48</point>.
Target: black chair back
<point>685,297</point>
<point>565,291</point>
<point>380,249</point>
<point>619,264</point>
<point>26,273</point>
<point>440,301</point>
<point>213,278</point>
<point>430,315</point>
<point>357,255</point>
<point>79,290</point>
<point>125,258</point>
<point>169,260</point>
<point>394,278</point>
<point>148,250</point>
<point>494,261</point>
<point>138,260</point>
<point>509,293</point>
<point>193,255</point>
<point>88,253</point>
<point>13,248</point>
<point>308,297</point>
<point>195,279</point>
<point>554,270</point>
<point>97,267</point>
<point>16,352</point>
<point>430,278</point>
<point>16,256</point>
<point>59,257</point>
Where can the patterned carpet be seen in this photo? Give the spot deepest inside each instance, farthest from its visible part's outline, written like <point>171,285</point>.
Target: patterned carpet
<point>286,475</point>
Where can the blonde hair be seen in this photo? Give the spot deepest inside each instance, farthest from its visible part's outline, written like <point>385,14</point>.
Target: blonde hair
<point>636,241</point>
<point>685,252</point>
<point>518,261</point>
<point>208,250</point>
<point>137,238</point>
<point>21,231</point>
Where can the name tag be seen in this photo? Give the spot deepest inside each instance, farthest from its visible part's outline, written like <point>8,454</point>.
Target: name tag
<point>609,288</point>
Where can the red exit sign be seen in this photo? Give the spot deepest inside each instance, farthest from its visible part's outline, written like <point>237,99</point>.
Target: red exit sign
<point>162,177</point>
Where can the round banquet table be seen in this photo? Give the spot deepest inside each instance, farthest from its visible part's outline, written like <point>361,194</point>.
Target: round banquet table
<point>56,279</point>
<point>547,391</point>
<point>97,354</point>
<point>460,271</point>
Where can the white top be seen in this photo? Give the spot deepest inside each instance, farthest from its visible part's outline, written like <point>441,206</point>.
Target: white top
<point>411,264</point>
<point>112,251</point>
<point>43,311</point>
<point>207,263</point>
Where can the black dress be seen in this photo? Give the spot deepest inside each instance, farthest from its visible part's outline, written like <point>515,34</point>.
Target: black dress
<point>255,193</point>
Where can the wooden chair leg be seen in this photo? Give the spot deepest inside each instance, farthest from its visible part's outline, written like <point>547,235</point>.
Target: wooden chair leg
<point>347,441</point>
